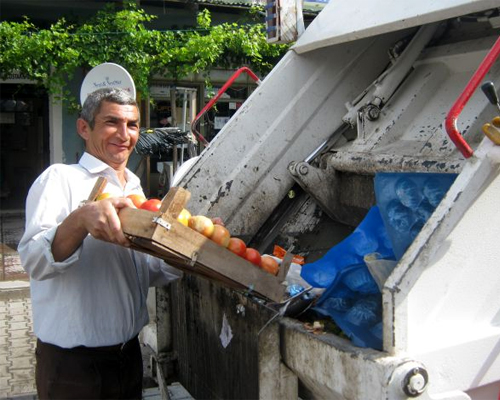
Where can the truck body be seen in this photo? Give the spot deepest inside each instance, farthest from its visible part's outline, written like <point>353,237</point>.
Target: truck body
<point>365,90</point>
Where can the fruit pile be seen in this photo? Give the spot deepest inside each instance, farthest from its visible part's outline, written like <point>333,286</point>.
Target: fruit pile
<point>212,229</point>
<point>221,235</point>
<point>139,201</point>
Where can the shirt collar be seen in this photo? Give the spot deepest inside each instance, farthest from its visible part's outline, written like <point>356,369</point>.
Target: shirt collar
<point>96,166</point>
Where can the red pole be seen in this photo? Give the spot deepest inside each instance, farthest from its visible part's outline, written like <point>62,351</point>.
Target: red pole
<point>456,109</point>
<point>217,96</point>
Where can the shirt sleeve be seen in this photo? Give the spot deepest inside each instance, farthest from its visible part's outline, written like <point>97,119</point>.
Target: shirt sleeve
<point>47,205</point>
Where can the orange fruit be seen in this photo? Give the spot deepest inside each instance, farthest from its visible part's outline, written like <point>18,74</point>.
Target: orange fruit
<point>137,199</point>
<point>269,264</point>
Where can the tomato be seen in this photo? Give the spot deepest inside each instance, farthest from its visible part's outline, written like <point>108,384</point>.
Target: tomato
<point>103,196</point>
<point>220,235</point>
<point>269,264</point>
<point>137,199</point>
<point>237,246</point>
<point>201,224</point>
<point>253,256</point>
<point>183,217</point>
<point>151,205</point>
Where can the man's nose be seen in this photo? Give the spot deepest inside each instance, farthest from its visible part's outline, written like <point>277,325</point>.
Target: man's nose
<point>123,131</point>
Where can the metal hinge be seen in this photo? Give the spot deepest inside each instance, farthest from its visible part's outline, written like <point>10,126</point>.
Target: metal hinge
<point>160,221</point>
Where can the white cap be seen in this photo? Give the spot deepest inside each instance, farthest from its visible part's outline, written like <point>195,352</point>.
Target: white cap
<point>106,75</point>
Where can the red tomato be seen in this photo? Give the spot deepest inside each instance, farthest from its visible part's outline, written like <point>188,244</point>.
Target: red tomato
<point>137,199</point>
<point>151,205</point>
<point>253,256</point>
<point>237,246</point>
<point>220,235</point>
<point>269,264</point>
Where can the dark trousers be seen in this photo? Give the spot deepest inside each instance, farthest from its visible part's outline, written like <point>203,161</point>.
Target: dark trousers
<point>112,372</point>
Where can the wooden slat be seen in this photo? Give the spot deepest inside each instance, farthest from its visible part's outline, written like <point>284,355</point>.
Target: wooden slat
<point>98,188</point>
<point>174,201</point>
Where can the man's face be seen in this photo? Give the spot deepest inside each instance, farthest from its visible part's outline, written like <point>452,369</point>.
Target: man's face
<point>115,133</point>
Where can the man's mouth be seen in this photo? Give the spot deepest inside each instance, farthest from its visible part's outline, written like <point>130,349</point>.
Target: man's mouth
<point>120,146</point>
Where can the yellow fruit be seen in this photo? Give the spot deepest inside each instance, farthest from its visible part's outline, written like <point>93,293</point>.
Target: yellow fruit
<point>183,217</point>
<point>202,224</point>
<point>103,196</point>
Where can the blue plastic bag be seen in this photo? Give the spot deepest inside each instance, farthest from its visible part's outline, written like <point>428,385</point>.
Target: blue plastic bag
<point>354,302</point>
<point>369,237</point>
<point>406,201</point>
<point>352,298</point>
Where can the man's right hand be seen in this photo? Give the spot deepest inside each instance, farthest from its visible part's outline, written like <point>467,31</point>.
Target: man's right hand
<point>99,218</point>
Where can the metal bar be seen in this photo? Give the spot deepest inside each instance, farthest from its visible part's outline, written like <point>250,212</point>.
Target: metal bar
<point>451,119</point>
<point>217,96</point>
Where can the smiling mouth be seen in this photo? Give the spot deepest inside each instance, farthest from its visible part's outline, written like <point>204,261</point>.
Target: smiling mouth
<point>120,146</point>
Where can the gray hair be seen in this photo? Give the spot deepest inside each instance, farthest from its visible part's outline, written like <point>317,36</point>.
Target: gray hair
<point>92,104</point>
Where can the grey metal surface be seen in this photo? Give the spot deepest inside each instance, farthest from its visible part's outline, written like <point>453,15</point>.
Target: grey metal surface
<point>242,176</point>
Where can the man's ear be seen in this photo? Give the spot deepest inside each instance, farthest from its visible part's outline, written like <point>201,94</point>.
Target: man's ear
<point>83,128</point>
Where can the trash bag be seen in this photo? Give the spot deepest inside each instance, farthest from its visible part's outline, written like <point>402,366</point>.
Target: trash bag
<point>354,302</point>
<point>406,201</point>
<point>369,237</point>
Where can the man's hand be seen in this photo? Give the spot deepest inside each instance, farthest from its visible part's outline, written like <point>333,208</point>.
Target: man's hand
<point>99,218</point>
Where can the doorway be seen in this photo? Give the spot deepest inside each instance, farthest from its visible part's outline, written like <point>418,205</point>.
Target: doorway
<point>24,141</point>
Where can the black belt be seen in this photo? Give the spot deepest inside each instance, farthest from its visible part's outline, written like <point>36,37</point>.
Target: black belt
<point>114,348</point>
<point>117,348</point>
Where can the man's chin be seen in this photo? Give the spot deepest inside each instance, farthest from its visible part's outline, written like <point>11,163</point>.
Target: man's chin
<point>119,159</point>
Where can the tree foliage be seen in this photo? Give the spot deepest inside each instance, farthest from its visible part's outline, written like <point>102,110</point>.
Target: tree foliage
<point>51,56</point>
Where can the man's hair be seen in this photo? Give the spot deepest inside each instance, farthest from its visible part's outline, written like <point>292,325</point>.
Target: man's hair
<point>92,104</point>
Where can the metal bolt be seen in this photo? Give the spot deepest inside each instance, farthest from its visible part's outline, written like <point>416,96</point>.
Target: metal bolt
<point>415,382</point>
<point>303,169</point>
<point>372,112</point>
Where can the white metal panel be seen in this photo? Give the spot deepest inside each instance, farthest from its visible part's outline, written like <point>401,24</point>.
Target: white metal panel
<point>344,21</point>
<point>442,303</point>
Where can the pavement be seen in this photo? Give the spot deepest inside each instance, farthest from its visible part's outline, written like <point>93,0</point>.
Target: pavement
<point>17,341</point>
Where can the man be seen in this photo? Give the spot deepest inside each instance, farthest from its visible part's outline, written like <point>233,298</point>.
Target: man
<point>88,289</point>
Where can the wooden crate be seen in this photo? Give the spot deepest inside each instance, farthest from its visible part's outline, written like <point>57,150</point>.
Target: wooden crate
<point>160,234</point>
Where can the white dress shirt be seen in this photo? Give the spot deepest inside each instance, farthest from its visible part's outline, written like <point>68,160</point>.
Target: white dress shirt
<point>97,296</point>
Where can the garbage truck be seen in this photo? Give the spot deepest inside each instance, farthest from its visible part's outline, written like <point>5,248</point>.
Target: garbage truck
<point>370,89</point>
